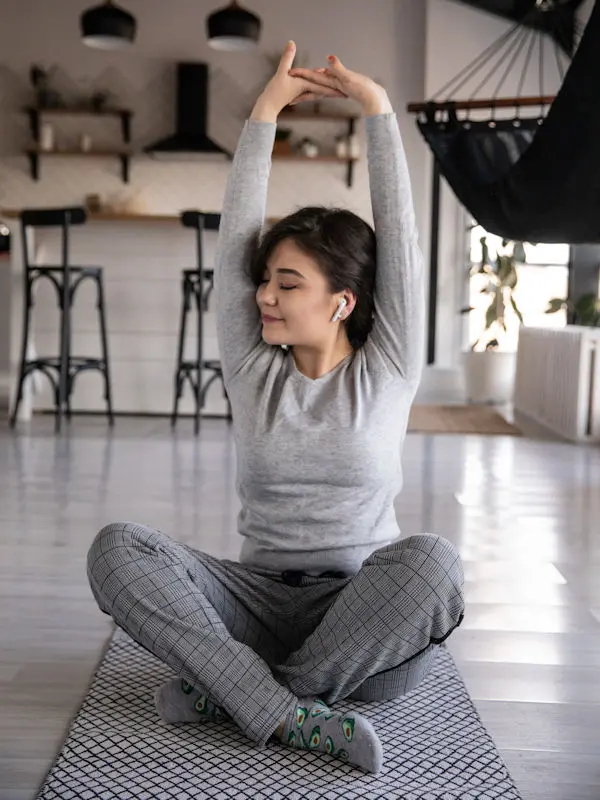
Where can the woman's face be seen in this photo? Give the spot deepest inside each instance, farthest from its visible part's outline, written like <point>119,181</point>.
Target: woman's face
<point>295,303</point>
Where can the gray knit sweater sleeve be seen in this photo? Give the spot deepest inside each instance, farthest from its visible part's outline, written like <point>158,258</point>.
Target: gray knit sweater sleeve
<point>242,218</point>
<point>398,327</point>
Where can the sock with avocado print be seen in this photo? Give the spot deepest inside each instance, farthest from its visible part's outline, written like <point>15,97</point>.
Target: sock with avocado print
<point>346,736</point>
<point>179,701</point>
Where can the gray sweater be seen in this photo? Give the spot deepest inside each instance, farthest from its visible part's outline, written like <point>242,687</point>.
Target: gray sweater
<point>319,461</point>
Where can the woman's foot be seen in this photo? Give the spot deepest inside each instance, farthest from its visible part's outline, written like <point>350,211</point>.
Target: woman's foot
<point>349,737</point>
<point>178,701</point>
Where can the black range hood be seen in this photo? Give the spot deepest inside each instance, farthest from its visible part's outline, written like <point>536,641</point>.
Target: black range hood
<point>191,115</point>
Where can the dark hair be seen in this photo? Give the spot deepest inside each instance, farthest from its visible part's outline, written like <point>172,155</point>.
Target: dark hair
<point>344,247</point>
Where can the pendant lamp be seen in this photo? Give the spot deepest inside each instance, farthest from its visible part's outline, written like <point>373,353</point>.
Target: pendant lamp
<point>233,28</point>
<point>107,27</point>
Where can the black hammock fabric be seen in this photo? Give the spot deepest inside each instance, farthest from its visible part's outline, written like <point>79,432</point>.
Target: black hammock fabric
<point>532,182</point>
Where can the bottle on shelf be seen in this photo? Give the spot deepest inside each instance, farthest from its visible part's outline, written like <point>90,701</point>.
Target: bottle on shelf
<point>341,146</point>
<point>353,146</point>
<point>47,137</point>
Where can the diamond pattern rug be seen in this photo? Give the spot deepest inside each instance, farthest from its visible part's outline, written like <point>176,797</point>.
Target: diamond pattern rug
<point>436,747</point>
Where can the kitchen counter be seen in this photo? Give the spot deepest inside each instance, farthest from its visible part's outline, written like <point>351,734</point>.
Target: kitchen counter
<point>118,216</point>
<point>110,216</point>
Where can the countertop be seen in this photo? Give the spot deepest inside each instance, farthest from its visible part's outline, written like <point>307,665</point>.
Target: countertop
<point>110,216</point>
<point>120,216</point>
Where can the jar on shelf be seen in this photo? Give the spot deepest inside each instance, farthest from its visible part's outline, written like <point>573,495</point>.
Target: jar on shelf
<point>46,137</point>
<point>341,146</point>
<point>353,146</point>
<point>308,148</point>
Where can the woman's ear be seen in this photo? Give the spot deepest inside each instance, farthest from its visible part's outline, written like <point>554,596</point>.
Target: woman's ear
<point>350,298</point>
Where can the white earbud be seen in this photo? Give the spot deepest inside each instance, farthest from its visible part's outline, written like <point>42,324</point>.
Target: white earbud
<point>342,304</point>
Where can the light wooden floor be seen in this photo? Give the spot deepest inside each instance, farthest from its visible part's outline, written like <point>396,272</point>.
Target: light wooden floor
<point>524,513</point>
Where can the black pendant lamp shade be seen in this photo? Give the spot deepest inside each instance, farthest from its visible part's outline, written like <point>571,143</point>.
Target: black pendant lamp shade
<point>107,27</point>
<point>233,28</point>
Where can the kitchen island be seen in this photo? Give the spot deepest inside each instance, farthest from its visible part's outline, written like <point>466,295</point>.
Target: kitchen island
<point>142,256</point>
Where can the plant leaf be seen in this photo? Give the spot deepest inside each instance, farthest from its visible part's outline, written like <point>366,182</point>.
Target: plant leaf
<point>516,309</point>
<point>556,304</point>
<point>491,314</point>
<point>512,277</point>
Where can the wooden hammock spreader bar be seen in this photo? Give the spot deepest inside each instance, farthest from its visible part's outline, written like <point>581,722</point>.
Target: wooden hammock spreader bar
<point>464,105</point>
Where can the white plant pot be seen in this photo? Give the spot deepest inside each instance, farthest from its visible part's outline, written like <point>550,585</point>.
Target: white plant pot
<point>489,376</point>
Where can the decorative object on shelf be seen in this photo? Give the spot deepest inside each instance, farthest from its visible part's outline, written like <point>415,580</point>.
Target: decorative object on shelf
<point>283,145</point>
<point>99,101</point>
<point>47,137</point>
<point>233,28</point>
<point>93,203</point>
<point>308,147</point>
<point>353,146</point>
<point>45,96</point>
<point>341,146</point>
<point>107,27</point>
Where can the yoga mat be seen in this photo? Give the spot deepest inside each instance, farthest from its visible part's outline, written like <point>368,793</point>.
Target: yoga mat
<point>436,747</point>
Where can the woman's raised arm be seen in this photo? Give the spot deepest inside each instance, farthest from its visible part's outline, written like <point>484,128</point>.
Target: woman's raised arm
<point>243,214</point>
<point>399,323</point>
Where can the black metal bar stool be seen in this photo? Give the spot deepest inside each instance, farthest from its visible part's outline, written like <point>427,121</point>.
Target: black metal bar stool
<point>196,286</point>
<point>61,370</point>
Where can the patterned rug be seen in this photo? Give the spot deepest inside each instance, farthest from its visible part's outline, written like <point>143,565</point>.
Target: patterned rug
<point>459,419</point>
<point>117,749</point>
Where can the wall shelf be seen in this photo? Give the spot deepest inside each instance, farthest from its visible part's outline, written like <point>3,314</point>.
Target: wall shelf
<point>36,113</point>
<point>34,153</point>
<point>123,155</point>
<point>315,115</point>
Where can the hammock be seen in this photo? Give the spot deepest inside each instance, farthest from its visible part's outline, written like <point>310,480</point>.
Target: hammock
<point>527,179</point>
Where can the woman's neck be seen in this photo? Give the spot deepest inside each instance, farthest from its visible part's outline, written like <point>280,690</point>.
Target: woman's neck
<point>315,363</point>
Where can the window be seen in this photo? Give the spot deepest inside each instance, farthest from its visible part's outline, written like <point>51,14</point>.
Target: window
<point>545,275</point>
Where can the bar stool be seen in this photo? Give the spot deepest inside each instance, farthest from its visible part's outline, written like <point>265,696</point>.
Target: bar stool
<point>61,370</point>
<point>196,287</point>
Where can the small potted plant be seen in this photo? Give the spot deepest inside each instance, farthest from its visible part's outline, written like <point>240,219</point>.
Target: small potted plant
<point>489,370</point>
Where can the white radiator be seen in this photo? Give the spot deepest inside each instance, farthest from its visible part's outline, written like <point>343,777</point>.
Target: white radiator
<point>557,381</point>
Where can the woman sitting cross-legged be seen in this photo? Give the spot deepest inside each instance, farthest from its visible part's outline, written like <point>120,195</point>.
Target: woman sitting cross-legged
<point>321,328</point>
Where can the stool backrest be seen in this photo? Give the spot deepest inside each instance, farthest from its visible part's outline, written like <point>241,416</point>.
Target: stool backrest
<point>53,217</point>
<point>61,218</point>
<point>199,219</point>
<point>200,222</point>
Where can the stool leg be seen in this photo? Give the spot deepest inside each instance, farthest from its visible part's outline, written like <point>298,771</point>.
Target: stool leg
<point>178,385</point>
<point>24,342</point>
<point>198,388</point>
<point>63,365</point>
<point>104,343</point>
<point>70,380</point>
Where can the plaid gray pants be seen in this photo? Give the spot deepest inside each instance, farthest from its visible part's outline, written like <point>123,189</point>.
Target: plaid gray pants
<point>255,643</point>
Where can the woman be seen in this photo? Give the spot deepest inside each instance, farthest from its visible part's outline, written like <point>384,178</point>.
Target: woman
<point>320,329</point>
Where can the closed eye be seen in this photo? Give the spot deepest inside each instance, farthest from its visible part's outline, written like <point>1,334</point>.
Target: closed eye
<point>281,286</point>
